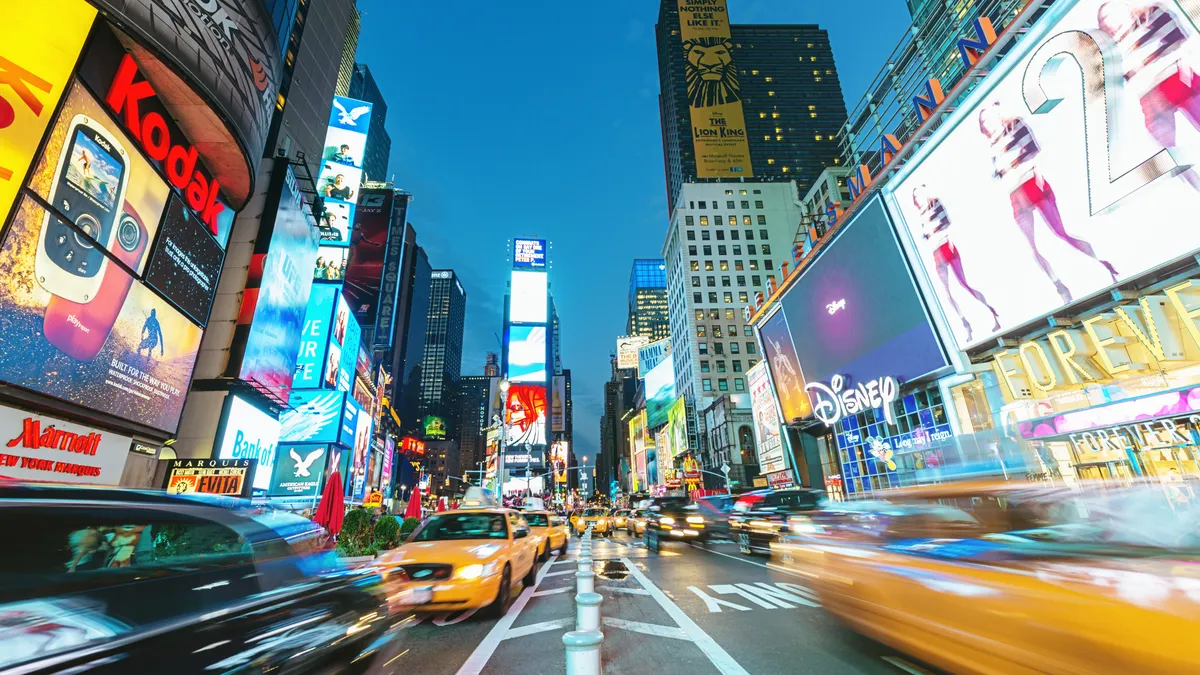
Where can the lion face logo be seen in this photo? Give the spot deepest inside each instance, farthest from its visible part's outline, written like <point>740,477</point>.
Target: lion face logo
<point>710,73</point>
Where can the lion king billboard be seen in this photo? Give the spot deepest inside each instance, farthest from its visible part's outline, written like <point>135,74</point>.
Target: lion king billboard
<point>714,94</point>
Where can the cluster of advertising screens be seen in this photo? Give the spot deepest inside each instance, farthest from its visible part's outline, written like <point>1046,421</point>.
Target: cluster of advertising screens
<point>110,259</point>
<point>526,358</point>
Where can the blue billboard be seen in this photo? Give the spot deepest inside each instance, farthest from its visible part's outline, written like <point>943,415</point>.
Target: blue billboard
<point>527,354</point>
<point>341,160</point>
<point>529,254</point>
<point>349,426</point>
<point>315,416</point>
<point>315,337</point>
<point>341,356</point>
<point>350,346</point>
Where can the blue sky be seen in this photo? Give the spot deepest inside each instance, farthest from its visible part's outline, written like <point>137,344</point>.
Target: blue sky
<point>540,117</point>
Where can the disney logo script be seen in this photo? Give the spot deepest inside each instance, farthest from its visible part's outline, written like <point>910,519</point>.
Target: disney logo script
<point>834,306</point>
<point>831,404</point>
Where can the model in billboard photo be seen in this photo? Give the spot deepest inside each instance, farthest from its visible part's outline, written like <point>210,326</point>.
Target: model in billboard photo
<point>1014,154</point>
<point>339,189</point>
<point>527,415</point>
<point>946,258</point>
<point>152,336</point>
<point>1159,67</point>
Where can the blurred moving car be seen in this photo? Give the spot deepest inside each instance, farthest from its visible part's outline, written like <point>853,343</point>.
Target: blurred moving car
<point>1014,578</point>
<point>764,517</point>
<point>598,518</point>
<point>553,530</point>
<point>717,510</point>
<point>112,580</point>
<point>467,559</point>
<point>673,520</point>
<point>620,516</point>
<point>635,522</point>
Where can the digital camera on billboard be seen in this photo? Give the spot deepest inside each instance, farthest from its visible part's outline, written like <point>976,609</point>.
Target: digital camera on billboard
<point>80,329</point>
<point>89,188</point>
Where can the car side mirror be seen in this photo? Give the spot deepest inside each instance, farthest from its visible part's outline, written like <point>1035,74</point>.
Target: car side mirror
<point>520,533</point>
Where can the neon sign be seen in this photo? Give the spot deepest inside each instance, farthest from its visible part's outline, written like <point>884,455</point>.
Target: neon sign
<point>831,403</point>
<point>834,306</point>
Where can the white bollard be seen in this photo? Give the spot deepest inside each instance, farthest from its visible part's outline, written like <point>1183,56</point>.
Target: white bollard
<point>585,580</point>
<point>583,651</point>
<point>587,611</point>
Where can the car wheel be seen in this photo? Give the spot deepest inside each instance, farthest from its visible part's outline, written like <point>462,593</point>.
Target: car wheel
<point>744,543</point>
<point>562,550</point>
<point>531,576</point>
<point>545,553</point>
<point>496,609</point>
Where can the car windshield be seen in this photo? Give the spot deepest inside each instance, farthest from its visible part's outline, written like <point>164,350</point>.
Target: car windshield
<point>452,526</point>
<point>640,513</point>
<point>538,519</point>
<point>593,513</point>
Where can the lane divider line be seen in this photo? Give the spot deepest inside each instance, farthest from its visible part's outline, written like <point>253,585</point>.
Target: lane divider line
<point>715,653</point>
<point>769,566</point>
<point>484,650</point>
<point>647,628</point>
<point>535,628</point>
<point>623,589</point>
<point>553,591</point>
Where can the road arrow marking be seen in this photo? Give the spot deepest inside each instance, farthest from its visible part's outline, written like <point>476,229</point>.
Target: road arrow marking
<point>714,604</point>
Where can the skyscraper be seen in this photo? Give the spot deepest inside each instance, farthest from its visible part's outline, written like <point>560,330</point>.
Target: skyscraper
<point>472,400</point>
<point>790,95</point>
<point>349,49</point>
<point>648,299</point>
<point>408,345</point>
<point>442,361</point>
<point>379,144</point>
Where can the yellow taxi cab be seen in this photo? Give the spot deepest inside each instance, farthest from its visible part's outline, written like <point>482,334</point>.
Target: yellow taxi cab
<point>598,519</point>
<point>635,522</point>
<point>553,530</point>
<point>619,517</point>
<point>1013,578</point>
<point>467,559</point>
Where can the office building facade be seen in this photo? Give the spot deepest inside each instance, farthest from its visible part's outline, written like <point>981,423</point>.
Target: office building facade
<point>442,360</point>
<point>345,58</point>
<point>473,418</point>
<point>648,299</point>
<point>790,93</point>
<point>379,144</point>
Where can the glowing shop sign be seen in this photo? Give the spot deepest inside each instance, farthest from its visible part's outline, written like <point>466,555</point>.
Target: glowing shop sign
<point>831,404</point>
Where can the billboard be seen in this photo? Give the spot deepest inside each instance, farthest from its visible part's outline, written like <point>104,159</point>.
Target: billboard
<point>369,251</point>
<point>185,263</point>
<point>348,430</point>
<point>526,417</point>
<point>627,350</point>
<point>651,355</point>
<point>336,223</point>
<point>314,339</point>
<point>766,420</point>
<point>249,433</point>
<point>42,40</point>
<point>331,263</point>
<point>529,254</point>
<point>35,447</point>
<point>273,306</point>
<point>314,416</point>
<point>345,140</point>
<point>528,301</point>
<point>389,455</point>
<point>349,336</point>
<point>559,452</point>
<point>1022,203</point>
<point>229,477</point>
<point>861,326</point>
<point>299,470</point>
<point>678,429</point>
<point>433,427</point>
<point>780,356</point>
<point>527,353</point>
<point>362,450</point>
<point>558,410</point>
<point>660,392</point>
<point>123,351</point>
<point>714,93</point>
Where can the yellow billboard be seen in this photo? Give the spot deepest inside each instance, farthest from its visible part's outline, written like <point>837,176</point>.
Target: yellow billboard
<point>39,45</point>
<point>714,94</point>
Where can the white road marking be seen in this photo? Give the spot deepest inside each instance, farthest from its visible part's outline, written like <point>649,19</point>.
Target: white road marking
<point>559,574</point>
<point>725,589</point>
<point>552,591</point>
<point>484,650</point>
<point>905,665</point>
<point>714,604</point>
<point>740,558</point>
<point>623,589</point>
<point>534,628</point>
<point>647,628</point>
<point>799,590</point>
<point>715,653</point>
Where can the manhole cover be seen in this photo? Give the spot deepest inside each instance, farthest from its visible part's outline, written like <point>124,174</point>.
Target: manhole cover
<point>614,570</point>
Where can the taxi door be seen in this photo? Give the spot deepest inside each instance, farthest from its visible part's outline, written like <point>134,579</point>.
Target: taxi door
<point>524,549</point>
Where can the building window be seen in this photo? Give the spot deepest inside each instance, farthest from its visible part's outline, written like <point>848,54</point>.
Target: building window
<point>737,366</point>
<point>758,192</point>
<point>770,160</point>
<point>703,348</point>
<point>729,192</point>
<point>741,192</point>
<point>691,249</point>
<point>766,249</point>
<point>729,298</point>
<point>703,220</point>
<point>695,265</point>
<point>751,249</point>
<point>705,235</point>
<point>708,266</point>
<point>737,264</point>
<point>716,330</point>
<point>732,330</point>
<point>704,365</point>
<point>762,234</point>
<point>737,250</point>
<point>755,280</point>
<point>729,315</point>
<point>711,281</point>
<point>729,204</point>
<point>739,384</point>
<point>699,315</point>
<point>691,235</point>
<point>723,384</point>
<point>697,298</point>
<point>741,279</point>
<point>718,220</point>
<point>719,347</point>
<point>714,314</point>
<point>749,347</point>
<point>726,282</point>
<point>724,265</point>
<point>720,366</point>
<point>743,296</point>
<point>704,205</point>
<point>691,205</point>
<point>700,328</point>
<point>745,203</point>
<point>720,234</point>
<point>689,221</point>
<point>753,265</point>
<point>734,348</point>
<point>751,363</point>
<point>707,384</point>
<point>748,331</point>
<point>762,220</point>
<point>695,282</point>
<point>750,237</point>
<point>707,249</point>
<point>767,264</point>
<point>734,234</point>
<point>712,298</point>
<point>757,204</point>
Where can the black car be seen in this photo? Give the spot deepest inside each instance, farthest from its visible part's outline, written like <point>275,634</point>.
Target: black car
<point>716,510</point>
<point>673,519</point>
<point>124,581</point>
<point>756,527</point>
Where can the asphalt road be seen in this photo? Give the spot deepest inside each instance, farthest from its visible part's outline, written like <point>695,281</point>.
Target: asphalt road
<point>685,610</point>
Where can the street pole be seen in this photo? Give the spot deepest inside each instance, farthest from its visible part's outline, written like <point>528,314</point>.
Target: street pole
<point>503,440</point>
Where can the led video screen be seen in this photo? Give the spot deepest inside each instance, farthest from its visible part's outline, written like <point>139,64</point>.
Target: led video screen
<point>527,353</point>
<point>528,303</point>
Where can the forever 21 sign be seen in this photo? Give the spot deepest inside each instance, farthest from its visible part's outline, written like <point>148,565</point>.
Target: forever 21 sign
<point>35,447</point>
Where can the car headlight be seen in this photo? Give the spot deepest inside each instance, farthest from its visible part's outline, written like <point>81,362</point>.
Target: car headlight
<point>695,520</point>
<point>475,571</point>
<point>666,520</point>
<point>762,523</point>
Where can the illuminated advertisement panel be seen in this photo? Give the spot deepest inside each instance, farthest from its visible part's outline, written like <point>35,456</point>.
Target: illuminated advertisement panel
<point>434,427</point>
<point>677,441</point>
<point>1065,172</point>
<point>315,416</point>
<point>344,327</point>
<point>345,140</point>
<point>331,264</point>
<point>860,326</point>
<point>229,477</point>
<point>766,420</point>
<point>42,39</point>
<point>660,392</point>
<point>314,339</point>
<point>558,460</point>
<point>250,433</point>
<point>627,350</point>
<point>526,418</point>
<point>780,357</point>
<point>48,449</point>
<point>651,355</point>
<point>528,302</point>
<point>298,471</point>
<point>529,253</point>
<point>527,353</point>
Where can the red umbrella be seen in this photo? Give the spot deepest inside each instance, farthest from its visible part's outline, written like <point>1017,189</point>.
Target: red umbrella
<point>441,504</point>
<point>332,508</point>
<point>413,510</point>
